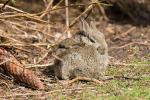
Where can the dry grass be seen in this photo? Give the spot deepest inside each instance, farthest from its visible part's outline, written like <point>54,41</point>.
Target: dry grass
<point>30,37</point>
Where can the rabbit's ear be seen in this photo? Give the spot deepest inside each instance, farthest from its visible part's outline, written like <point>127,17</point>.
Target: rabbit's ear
<point>94,29</point>
<point>85,26</point>
<point>93,26</point>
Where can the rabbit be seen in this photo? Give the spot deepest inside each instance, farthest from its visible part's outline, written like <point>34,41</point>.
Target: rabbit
<point>84,54</point>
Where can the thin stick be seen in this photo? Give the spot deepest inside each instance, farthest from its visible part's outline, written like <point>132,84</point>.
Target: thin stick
<point>47,10</point>
<point>102,11</point>
<point>38,65</point>
<point>127,64</point>
<point>24,27</point>
<point>43,57</point>
<point>13,8</point>
<point>3,83</point>
<point>63,7</point>
<point>44,93</point>
<point>49,6</point>
<point>25,50</point>
<point>128,44</point>
<point>84,79</point>
<point>30,16</point>
<point>4,61</point>
<point>5,4</point>
<point>4,35</point>
<point>24,44</point>
<point>128,31</point>
<point>67,18</point>
<point>77,18</point>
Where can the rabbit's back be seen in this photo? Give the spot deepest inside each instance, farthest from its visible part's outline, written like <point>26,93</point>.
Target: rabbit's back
<point>83,61</point>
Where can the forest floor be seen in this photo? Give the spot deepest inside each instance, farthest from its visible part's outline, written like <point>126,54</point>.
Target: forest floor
<point>129,51</point>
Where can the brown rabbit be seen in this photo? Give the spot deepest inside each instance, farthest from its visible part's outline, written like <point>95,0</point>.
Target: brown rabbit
<point>85,54</point>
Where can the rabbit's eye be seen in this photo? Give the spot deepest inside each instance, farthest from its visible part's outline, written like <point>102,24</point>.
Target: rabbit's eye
<point>92,39</point>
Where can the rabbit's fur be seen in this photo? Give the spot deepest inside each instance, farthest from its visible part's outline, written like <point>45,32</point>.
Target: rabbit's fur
<point>85,54</point>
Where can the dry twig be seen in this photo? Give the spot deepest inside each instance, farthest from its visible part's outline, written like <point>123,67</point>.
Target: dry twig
<point>127,64</point>
<point>79,78</point>
<point>128,44</point>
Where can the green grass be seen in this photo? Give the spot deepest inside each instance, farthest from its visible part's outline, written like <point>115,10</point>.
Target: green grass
<point>136,88</point>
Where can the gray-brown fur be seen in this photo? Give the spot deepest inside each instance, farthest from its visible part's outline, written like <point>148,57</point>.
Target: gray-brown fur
<point>85,54</point>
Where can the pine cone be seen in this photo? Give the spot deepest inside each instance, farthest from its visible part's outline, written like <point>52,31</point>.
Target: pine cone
<point>14,68</point>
